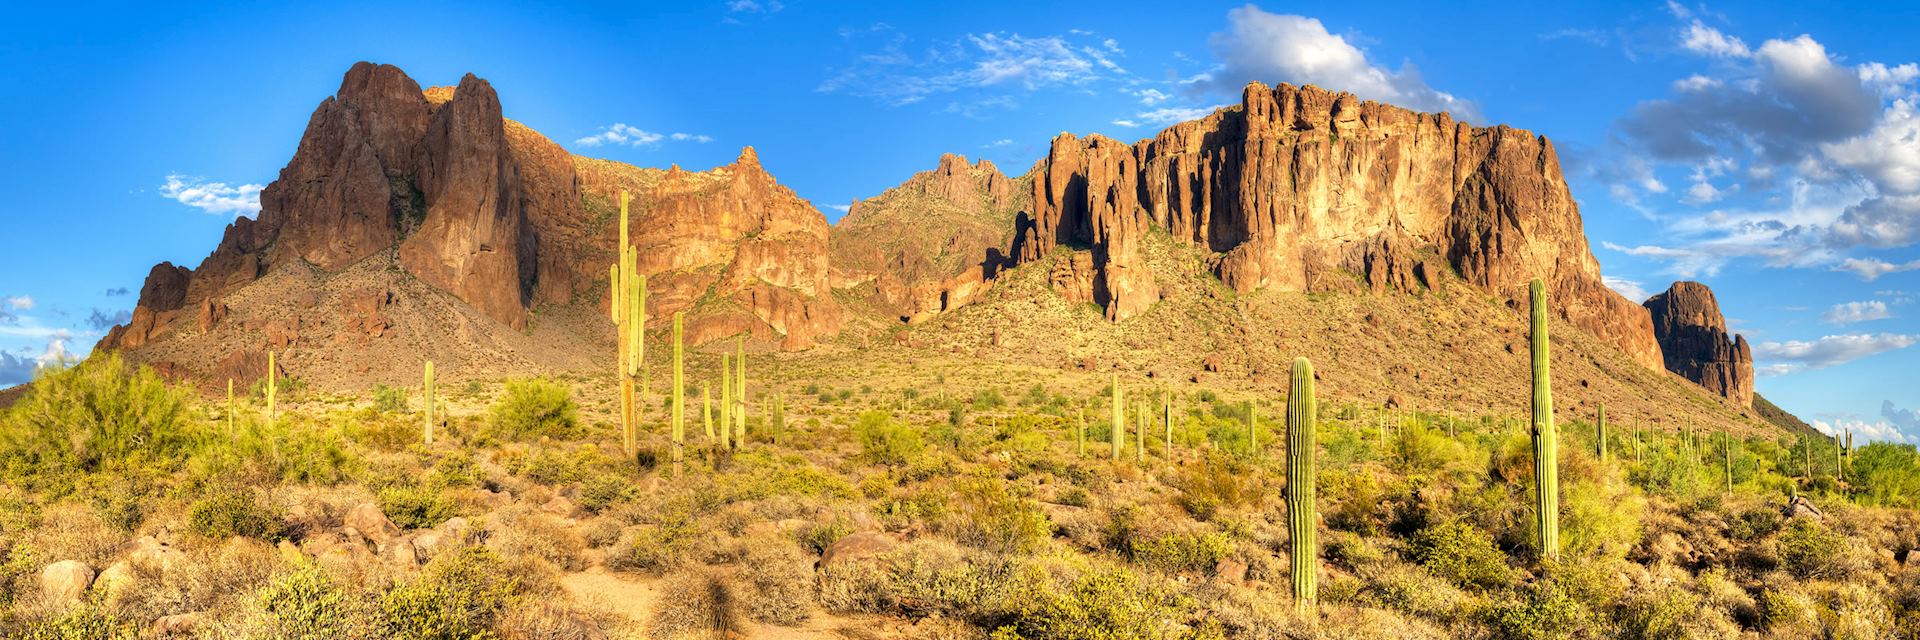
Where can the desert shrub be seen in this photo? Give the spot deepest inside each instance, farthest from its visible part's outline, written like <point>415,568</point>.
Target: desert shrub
<point>456,470</point>
<point>1359,502</point>
<point>416,507</point>
<point>389,399</point>
<point>234,512</point>
<point>1759,522</point>
<point>1192,551</point>
<point>305,604</point>
<point>1788,612</point>
<point>1660,613</point>
<point>524,533</point>
<point>652,547</point>
<point>85,622</point>
<point>1411,590</point>
<point>983,514</point>
<point>815,537</point>
<point>777,581</point>
<point>1810,550</point>
<point>1461,554</point>
<point>535,408</point>
<point>457,595</point>
<point>697,603</point>
<point>885,440</point>
<point>1540,611</point>
<point>1103,604</point>
<point>99,415</point>
<point>987,399</point>
<point>1219,482</point>
<point>1600,518</point>
<point>605,490</point>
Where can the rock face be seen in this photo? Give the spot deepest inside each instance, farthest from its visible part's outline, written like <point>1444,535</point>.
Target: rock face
<point>931,244</point>
<point>1297,182</point>
<point>1693,337</point>
<point>440,184</point>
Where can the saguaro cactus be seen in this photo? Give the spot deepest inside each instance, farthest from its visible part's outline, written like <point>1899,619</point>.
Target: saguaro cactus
<point>779,417</point>
<point>679,392</point>
<point>1253,429</point>
<point>1080,432</point>
<point>1302,522</point>
<point>1119,424</point>
<point>706,412</point>
<point>273,384</point>
<point>627,308</point>
<point>726,400</point>
<point>427,390</point>
<point>1546,492</point>
<point>1726,444</point>
<point>740,392</point>
<point>1140,431</point>
<point>1600,433</point>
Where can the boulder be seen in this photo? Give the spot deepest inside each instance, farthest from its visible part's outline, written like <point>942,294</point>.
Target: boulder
<point>179,624</point>
<point>370,521</point>
<point>856,546</point>
<point>66,581</point>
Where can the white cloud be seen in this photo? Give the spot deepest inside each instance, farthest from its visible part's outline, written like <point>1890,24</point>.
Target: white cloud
<point>1272,47</point>
<point>754,6</point>
<point>1632,289</point>
<point>1165,116</point>
<point>620,133</point>
<point>1003,142</point>
<point>1831,350</point>
<point>1152,97</point>
<point>1870,269</point>
<point>1770,370</point>
<point>1696,82</point>
<point>989,62</point>
<point>20,303</point>
<point>1875,431</point>
<point>1700,38</point>
<point>1851,312</point>
<point>212,197</point>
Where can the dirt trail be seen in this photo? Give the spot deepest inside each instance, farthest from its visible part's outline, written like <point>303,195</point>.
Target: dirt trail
<point>635,600</point>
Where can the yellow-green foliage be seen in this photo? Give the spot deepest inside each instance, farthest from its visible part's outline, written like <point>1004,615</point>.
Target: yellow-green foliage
<point>1539,611</point>
<point>1186,551</point>
<point>416,507</point>
<point>886,440</point>
<point>307,604</point>
<point>234,512</point>
<point>1462,554</point>
<point>1809,549</point>
<point>98,415</point>
<point>456,596</point>
<point>533,408</point>
<point>985,515</point>
<point>1104,604</point>
<point>84,622</point>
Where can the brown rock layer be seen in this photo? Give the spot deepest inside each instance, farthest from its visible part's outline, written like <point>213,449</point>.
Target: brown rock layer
<point>1693,338</point>
<point>1296,180</point>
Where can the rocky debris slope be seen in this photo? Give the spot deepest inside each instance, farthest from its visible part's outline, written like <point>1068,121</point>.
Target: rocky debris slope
<point>932,243</point>
<point>1297,184</point>
<point>1693,338</point>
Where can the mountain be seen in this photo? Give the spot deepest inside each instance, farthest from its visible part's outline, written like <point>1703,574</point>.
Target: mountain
<point>414,224</point>
<point>1693,340</point>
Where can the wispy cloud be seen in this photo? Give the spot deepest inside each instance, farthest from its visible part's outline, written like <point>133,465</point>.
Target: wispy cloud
<point>1272,47</point>
<point>1632,289</point>
<point>1871,269</point>
<point>1830,350</point>
<point>1870,431</point>
<point>102,320</point>
<point>1852,312</point>
<point>897,73</point>
<point>20,303</point>
<point>622,134</point>
<point>212,197</point>
<point>116,292</point>
<point>1166,116</point>
<point>1003,142</point>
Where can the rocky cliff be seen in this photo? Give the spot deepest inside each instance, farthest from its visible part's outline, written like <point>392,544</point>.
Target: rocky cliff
<point>931,244</point>
<point>485,210</point>
<point>1298,184</point>
<point>1693,338</point>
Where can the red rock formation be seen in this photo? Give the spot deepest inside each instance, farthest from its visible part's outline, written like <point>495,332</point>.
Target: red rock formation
<point>1297,180</point>
<point>1693,338</point>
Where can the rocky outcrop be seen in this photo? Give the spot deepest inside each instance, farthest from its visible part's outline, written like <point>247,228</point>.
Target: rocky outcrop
<point>932,244</point>
<point>1298,182</point>
<point>1693,338</point>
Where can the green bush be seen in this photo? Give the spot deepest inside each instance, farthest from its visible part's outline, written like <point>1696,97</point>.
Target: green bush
<point>234,512</point>
<point>85,622</point>
<point>535,408</point>
<point>306,604</point>
<point>984,515</point>
<point>1183,552</point>
<point>885,440</point>
<point>1104,604</point>
<point>605,490</point>
<point>1541,611</point>
<point>1810,550</point>
<point>99,415</point>
<point>1462,554</point>
<point>389,399</point>
<point>457,596</point>
<point>415,507</point>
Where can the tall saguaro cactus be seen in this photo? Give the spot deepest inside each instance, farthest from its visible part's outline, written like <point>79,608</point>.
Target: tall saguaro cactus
<point>1546,491</point>
<point>740,392</point>
<point>1140,431</point>
<point>1302,522</point>
<point>1119,420</point>
<point>273,385</point>
<point>1600,433</point>
<point>679,392</point>
<point>627,308</point>
<point>706,412</point>
<point>427,390</point>
<point>1080,432</point>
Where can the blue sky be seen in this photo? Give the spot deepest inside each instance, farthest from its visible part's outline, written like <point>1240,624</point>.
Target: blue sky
<point>1771,150</point>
